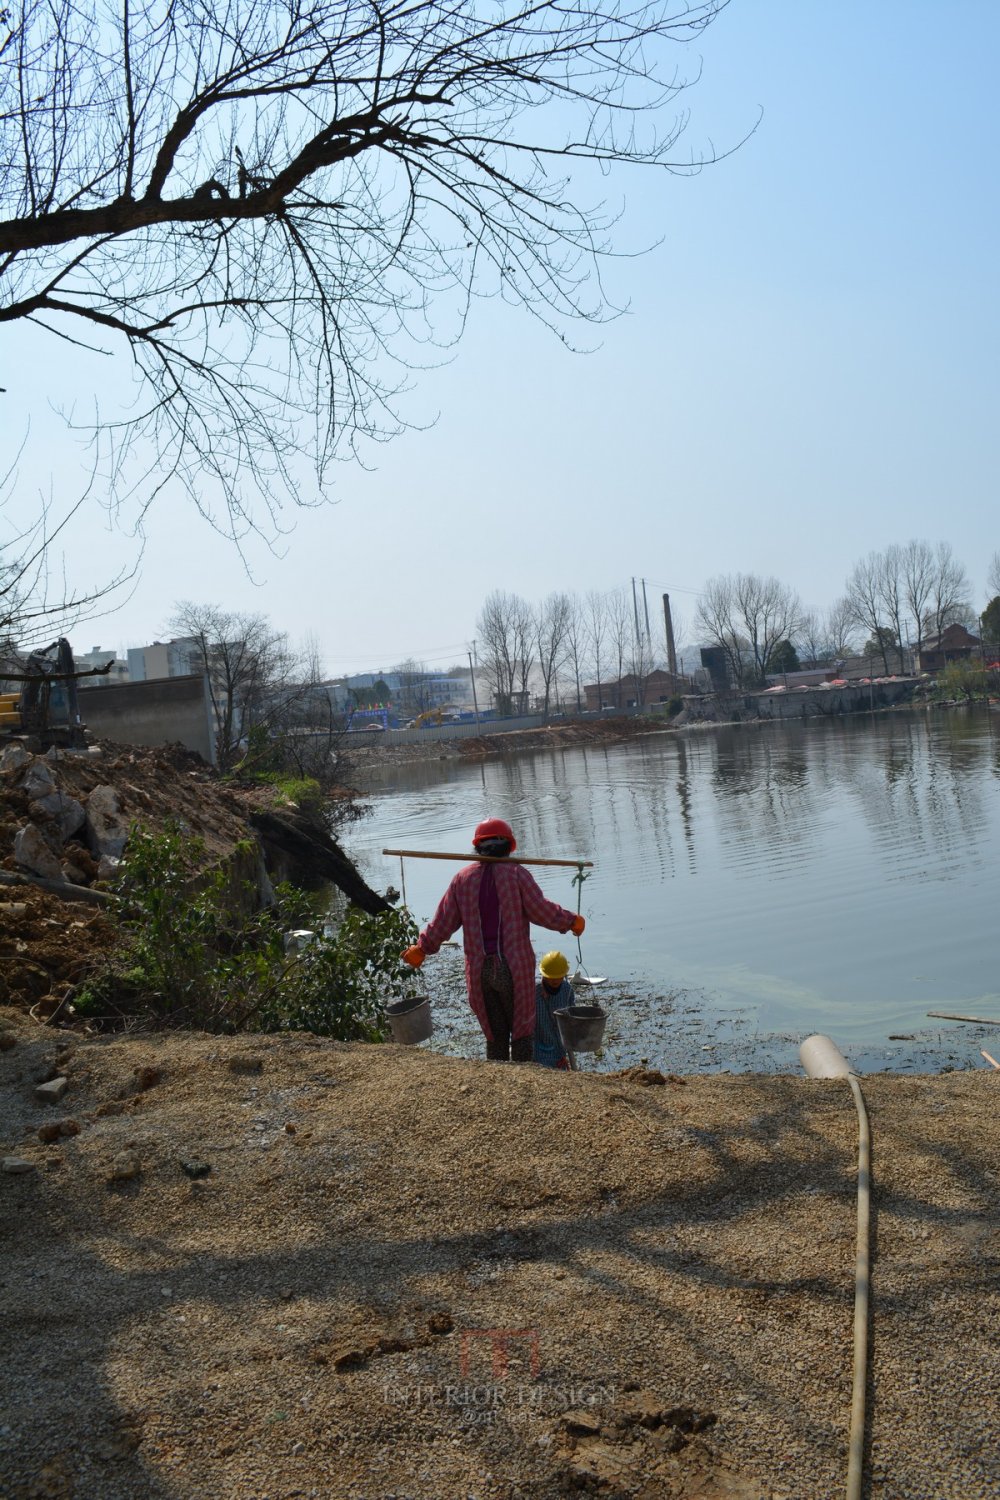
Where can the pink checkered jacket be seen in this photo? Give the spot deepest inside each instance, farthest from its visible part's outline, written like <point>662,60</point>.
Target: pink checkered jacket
<point>521,903</point>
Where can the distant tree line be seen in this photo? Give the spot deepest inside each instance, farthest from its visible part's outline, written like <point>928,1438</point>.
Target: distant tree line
<point>560,644</point>
<point>893,601</point>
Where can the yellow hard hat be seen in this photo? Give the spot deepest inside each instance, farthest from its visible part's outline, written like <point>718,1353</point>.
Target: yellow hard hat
<point>554,965</point>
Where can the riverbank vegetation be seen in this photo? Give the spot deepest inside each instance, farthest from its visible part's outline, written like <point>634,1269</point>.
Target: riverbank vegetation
<point>194,950</point>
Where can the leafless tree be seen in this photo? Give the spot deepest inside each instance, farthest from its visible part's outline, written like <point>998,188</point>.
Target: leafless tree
<point>255,681</point>
<point>641,659</point>
<point>839,628</point>
<point>551,627</point>
<point>524,647</point>
<point>890,575</point>
<point>810,639</point>
<point>621,629</point>
<point>595,607</point>
<point>865,596</point>
<point>950,591</point>
<point>37,600</point>
<point>717,621</point>
<point>576,644</point>
<point>828,636</point>
<point>747,616</point>
<point>918,583</point>
<point>993,577</point>
<point>260,203</point>
<point>504,632</point>
<point>413,677</point>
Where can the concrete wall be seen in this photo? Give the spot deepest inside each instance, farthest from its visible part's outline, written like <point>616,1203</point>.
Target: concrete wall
<point>469,731</point>
<point>442,731</point>
<point>812,703</point>
<point>169,710</point>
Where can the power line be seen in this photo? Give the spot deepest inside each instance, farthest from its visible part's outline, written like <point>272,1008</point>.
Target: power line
<point>381,660</point>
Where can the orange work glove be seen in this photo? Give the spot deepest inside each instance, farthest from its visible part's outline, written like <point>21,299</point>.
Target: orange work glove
<point>578,925</point>
<point>414,956</point>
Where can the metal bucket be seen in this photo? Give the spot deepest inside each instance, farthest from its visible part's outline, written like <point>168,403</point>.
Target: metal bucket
<point>581,1027</point>
<point>410,1020</point>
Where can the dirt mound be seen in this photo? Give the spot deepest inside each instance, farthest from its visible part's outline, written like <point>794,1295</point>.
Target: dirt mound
<point>47,946</point>
<point>242,1268</point>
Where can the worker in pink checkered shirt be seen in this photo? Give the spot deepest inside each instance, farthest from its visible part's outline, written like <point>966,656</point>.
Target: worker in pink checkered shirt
<point>495,904</point>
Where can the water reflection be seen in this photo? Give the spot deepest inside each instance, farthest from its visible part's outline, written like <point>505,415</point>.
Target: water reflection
<point>833,868</point>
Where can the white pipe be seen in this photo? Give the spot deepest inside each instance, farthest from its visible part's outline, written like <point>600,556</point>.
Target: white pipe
<point>822,1058</point>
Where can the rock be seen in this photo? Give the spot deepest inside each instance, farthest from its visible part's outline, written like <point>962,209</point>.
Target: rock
<point>56,1128</point>
<point>65,812</point>
<point>7,1040</point>
<point>107,826</point>
<point>53,754</point>
<point>13,757</point>
<point>39,781</point>
<point>33,854</point>
<point>82,858</point>
<point>581,1423</point>
<point>73,874</point>
<point>16,1166</point>
<point>108,867</point>
<point>95,751</point>
<point>147,1077</point>
<point>195,1169</point>
<point>51,1092</point>
<point>15,911</point>
<point>125,1167</point>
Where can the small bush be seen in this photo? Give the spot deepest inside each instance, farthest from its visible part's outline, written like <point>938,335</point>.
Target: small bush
<point>966,679</point>
<point>304,791</point>
<point>191,956</point>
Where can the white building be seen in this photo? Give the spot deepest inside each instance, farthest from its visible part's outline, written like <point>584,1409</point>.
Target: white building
<point>178,658</point>
<point>98,657</point>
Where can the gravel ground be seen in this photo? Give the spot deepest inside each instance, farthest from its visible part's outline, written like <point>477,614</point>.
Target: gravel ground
<point>252,1269</point>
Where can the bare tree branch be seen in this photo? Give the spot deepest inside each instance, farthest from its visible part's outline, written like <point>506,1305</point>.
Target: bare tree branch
<point>262,203</point>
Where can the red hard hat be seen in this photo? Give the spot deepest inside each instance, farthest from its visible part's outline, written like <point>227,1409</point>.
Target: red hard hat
<point>494,828</point>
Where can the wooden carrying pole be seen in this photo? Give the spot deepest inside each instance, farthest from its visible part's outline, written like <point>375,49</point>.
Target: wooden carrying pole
<point>946,1015</point>
<point>486,859</point>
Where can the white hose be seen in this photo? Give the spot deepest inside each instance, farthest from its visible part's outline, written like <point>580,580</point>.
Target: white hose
<point>821,1058</point>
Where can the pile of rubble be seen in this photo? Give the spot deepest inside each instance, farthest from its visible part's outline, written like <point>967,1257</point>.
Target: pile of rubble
<point>65,818</point>
<point>65,815</point>
<point>60,837</point>
<point>64,821</point>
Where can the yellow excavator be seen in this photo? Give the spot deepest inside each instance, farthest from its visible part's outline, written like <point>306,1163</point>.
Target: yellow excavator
<point>46,709</point>
<point>10,717</point>
<point>429,716</point>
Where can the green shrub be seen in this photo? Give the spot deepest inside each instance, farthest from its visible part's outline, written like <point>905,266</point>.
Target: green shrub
<point>192,956</point>
<point>966,679</point>
<point>302,790</point>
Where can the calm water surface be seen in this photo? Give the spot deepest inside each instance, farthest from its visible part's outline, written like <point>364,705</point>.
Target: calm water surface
<point>773,880</point>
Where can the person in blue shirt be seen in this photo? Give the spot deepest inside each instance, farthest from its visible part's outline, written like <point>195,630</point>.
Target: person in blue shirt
<point>553,992</point>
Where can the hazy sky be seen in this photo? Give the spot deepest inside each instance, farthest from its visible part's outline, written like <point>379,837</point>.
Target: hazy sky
<point>808,370</point>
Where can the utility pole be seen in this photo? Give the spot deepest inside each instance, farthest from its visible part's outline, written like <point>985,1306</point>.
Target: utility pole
<point>635,612</point>
<point>645,606</point>
<point>475,701</point>
<point>669,627</point>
